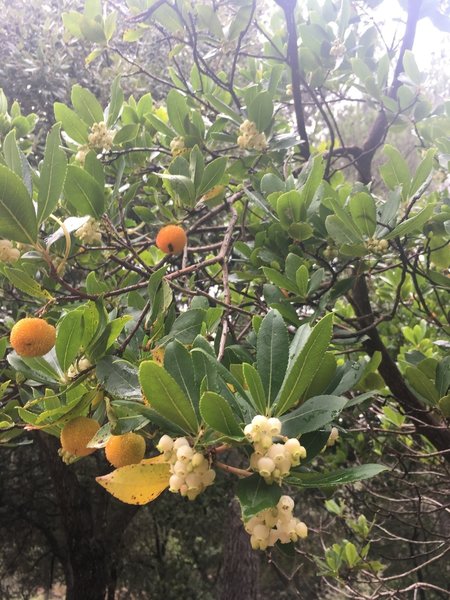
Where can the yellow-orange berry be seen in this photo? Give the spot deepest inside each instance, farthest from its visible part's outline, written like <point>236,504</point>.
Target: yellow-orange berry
<point>171,239</point>
<point>76,434</point>
<point>32,337</point>
<point>126,449</point>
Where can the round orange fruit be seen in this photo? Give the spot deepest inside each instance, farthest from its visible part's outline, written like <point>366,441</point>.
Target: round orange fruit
<point>76,434</point>
<point>171,239</point>
<point>126,449</point>
<point>32,337</point>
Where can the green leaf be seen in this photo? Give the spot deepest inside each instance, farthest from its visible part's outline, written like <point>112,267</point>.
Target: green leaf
<point>312,415</point>
<point>186,327</point>
<point>22,281</point>
<point>71,122</point>
<point>86,105</point>
<point>166,396</point>
<point>181,186</point>
<point>396,171</point>
<point>11,153</point>
<point>107,338</point>
<point>272,350</point>
<point>364,214</point>
<point>119,378</point>
<point>280,280</point>
<point>115,105</point>
<point>178,362</point>
<point>305,366</point>
<point>217,414</point>
<point>289,208</point>
<point>423,172</point>
<point>127,133</point>
<point>213,174</point>
<point>255,495</point>
<point>196,167</point>
<point>17,215</point>
<point>412,224</point>
<point>84,193</point>
<point>53,174</point>
<point>260,111</point>
<point>177,111</point>
<point>421,385</point>
<point>338,477</point>
<point>255,387</point>
<point>302,278</point>
<point>411,68</point>
<point>339,231</point>
<point>69,338</point>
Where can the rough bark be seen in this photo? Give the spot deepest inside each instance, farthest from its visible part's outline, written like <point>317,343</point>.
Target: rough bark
<point>240,569</point>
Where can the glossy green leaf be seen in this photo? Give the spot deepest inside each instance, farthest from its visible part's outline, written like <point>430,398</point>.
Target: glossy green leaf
<point>272,350</point>
<point>212,175</point>
<point>186,327</point>
<point>17,215</point>
<point>75,127</point>
<point>177,111</point>
<point>217,414</point>
<point>116,102</point>
<point>178,362</point>
<point>69,337</point>
<point>23,282</point>
<point>166,396</point>
<point>53,174</point>
<point>84,193</point>
<point>11,152</point>
<point>337,477</point>
<point>396,171</point>
<point>421,385</point>
<point>304,368</point>
<point>363,211</point>
<point>423,172</point>
<point>107,337</point>
<point>312,415</point>
<point>255,387</point>
<point>255,495</point>
<point>260,111</point>
<point>86,105</point>
<point>412,224</point>
<point>119,378</point>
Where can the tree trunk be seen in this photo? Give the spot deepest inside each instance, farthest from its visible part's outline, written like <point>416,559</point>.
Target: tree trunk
<point>89,535</point>
<point>240,569</point>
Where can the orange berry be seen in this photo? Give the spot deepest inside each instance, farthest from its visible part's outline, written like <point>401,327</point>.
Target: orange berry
<point>76,434</point>
<point>32,337</point>
<point>171,239</point>
<point>126,449</point>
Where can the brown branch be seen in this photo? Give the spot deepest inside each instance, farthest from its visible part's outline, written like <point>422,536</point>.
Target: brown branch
<point>288,7</point>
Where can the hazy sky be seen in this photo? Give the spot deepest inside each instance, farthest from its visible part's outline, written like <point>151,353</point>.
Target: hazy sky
<point>429,40</point>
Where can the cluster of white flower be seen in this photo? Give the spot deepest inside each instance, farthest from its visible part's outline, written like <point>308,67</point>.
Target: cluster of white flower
<point>101,137</point>
<point>190,470</point>
<point>89,233</point>
<point>251,138</point>
<point>8,253</point>
<point>276,524</point>
<point>77,367</point>
<point>377,246</point>
<point>272,460</point>
<point>178,147</point>
<point>288,90</point>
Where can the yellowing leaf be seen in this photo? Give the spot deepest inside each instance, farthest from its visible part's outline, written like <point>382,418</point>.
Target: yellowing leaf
<point>138,484</point>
